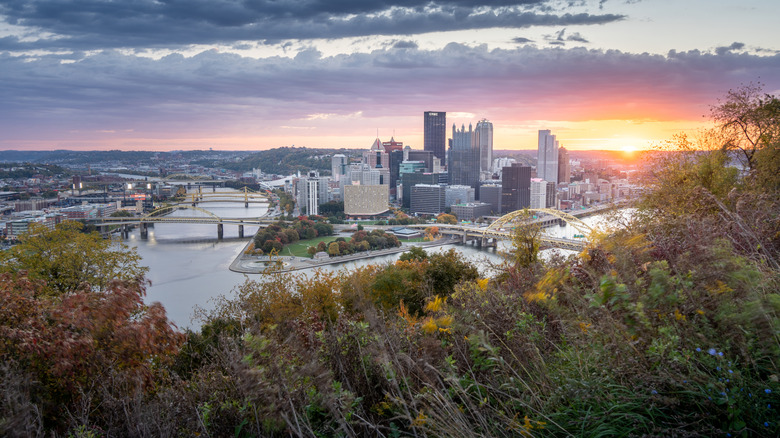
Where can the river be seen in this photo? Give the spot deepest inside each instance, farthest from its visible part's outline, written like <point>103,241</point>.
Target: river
<point>188,266</point>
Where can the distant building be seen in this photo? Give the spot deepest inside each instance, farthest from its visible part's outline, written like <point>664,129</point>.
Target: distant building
<point>365,200</point>
<point>338,164</point>
<point>409,180</point>
<point>483,138</point>
<point>491,195</point>
<point>471,211</point>
<point>458,194</point>
<point>547,157</point>
<point>435,133</point>
<point>427,199</point>
<point>463,159</point>
<point>515,188</point>
<point>564,167</point>
<point>312,191</point>
<point>542,193</point>
<point>424,156</point>
<point>393,145</point>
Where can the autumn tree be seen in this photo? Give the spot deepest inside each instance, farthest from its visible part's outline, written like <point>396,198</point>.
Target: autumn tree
<point>65,259</point>
<point>447,219</point>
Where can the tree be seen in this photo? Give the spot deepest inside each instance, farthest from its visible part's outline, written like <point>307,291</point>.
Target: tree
<point>415,253</point>
<point>749,121</point>
<point>448,219</point>
<point>333,249</point>
<point>526,239</point>
<point>65,259</point>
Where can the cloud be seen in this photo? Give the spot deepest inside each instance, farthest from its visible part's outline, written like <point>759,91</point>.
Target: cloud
<point>559,38</point>
<point>94,24</point>
<point>405,45</point>
<point>732,47</point>
<point>222,92</point>
<point>522,40</point>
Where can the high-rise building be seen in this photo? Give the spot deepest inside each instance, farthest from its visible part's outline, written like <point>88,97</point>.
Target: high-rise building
<point>463,159</point>
<point>491,194</point>
<point>435,133</point>
<point>312,191</point>
<point>338,165</point>
<point>458,195</point>
<point>547,157</point>
<point>409,180</point>
<point>515,188</point>
<point>564,167</point>
<point>427,199</point>
<point>483,137</point>
<point>393,145</point>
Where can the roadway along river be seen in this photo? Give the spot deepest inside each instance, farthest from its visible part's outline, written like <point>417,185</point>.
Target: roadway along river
<point>189,267</point>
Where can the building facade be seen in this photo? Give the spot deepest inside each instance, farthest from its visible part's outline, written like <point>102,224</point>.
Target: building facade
<point>463,159</point>
<point>547,156</point>
<point>564,166</point>
<point>471,211</point>
<point>515,188</point>
<point>365,200</point>
<point>435,133</point>
<point>483,137</point>
<point>427,199</point>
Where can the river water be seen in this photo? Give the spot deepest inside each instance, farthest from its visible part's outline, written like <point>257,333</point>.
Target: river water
<point>189,267</point>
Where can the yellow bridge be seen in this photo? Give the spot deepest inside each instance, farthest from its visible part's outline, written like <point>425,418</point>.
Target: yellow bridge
<point>501,229</point>
<point>246,195</point>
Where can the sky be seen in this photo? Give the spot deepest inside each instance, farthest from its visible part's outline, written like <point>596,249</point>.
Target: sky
<point>258,74</point>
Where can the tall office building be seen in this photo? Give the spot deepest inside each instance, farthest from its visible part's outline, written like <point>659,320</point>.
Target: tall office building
<point>515,188</point>
<point>483,137</point>
<point>338,165</point>
<point>435,133</point>
<point>564,167</point>
<point>547,157</point>
<point>312,191</point>
<point>463,159</point>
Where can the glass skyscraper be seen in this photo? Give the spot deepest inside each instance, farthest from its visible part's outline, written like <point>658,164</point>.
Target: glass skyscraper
<point>435,133</point>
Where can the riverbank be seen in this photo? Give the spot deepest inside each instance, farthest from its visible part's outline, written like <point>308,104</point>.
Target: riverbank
<point>251,264</point>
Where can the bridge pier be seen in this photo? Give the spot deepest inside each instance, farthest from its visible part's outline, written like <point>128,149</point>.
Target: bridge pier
<point>124,232</point>
<point>240,231</point>
<point>219,231</point>
<point>246,204</point>
<point>144,231</point>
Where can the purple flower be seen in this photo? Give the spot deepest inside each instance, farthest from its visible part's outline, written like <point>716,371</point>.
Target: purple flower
<point>731,372</point>
<point>698,349</point>
<point>712,351</point>
<point>654,392</point>
<point>720,353</point>
<point>767,390</point>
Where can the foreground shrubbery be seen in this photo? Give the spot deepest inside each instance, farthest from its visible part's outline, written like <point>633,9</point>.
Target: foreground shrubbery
<point>666,325</point>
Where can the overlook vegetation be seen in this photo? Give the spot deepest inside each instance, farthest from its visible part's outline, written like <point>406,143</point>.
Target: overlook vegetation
<point>666,325</point>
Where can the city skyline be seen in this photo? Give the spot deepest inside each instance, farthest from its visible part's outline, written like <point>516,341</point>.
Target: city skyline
<point>231,75</point>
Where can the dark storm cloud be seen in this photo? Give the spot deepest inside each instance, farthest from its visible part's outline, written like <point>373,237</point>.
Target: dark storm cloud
<point>95,24</point>
<point>217,91</point>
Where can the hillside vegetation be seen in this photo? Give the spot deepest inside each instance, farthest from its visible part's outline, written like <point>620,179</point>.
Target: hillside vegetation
<point>666,325</point>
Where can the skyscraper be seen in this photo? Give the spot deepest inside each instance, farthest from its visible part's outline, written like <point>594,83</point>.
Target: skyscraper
<point>338,165</point>
<point>547,156</point>
<point>463,160</point>
<point>515,188</point>
<point>435,133</point>
<point>564,167</point>
<point>483,137</point>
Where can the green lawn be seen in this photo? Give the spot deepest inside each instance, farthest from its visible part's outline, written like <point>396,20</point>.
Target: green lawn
<point>298,249</point>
